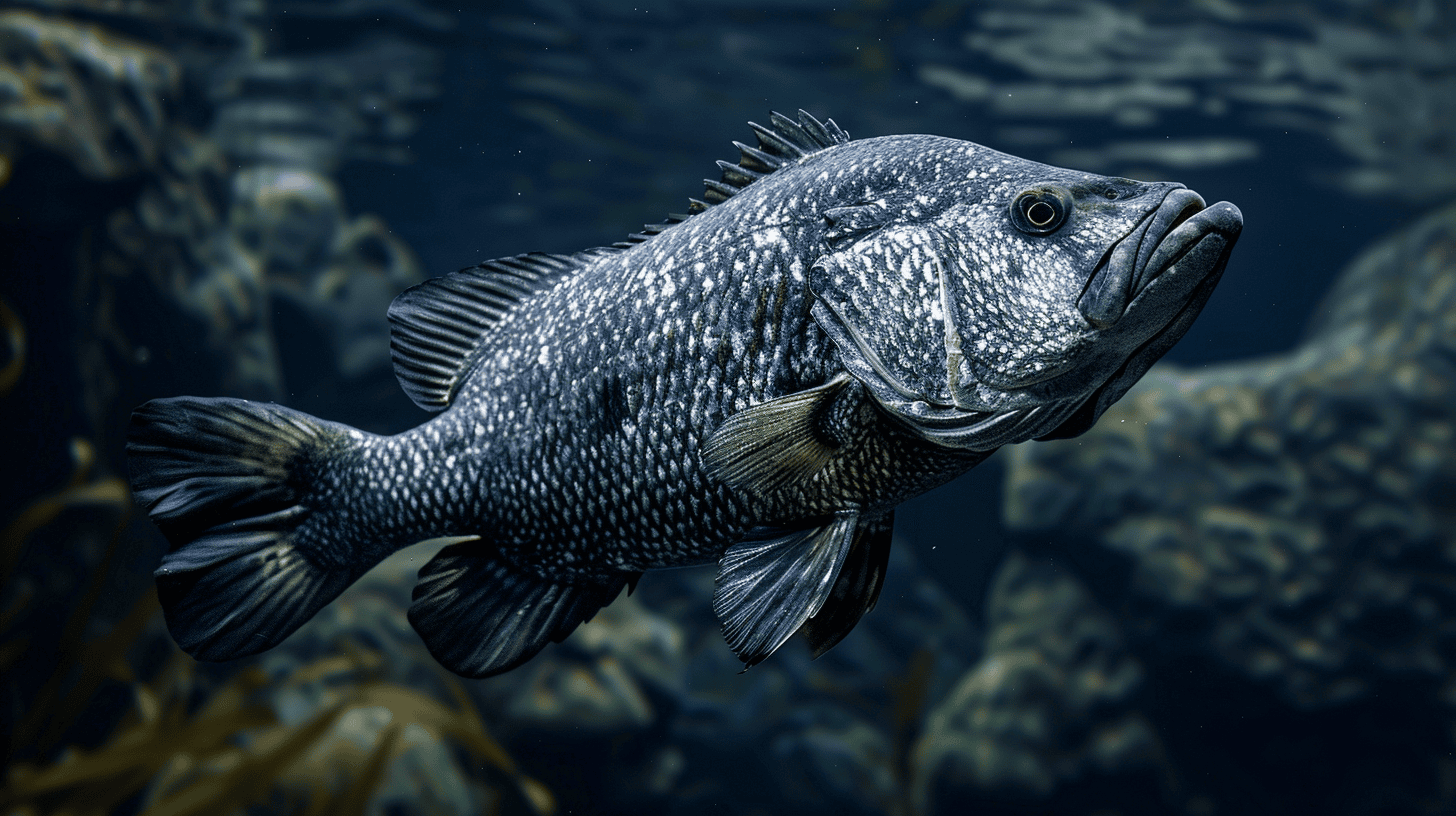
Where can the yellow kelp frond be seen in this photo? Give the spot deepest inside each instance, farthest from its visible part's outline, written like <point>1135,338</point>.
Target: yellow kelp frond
<point>248,744</point>
<point>10,327</point>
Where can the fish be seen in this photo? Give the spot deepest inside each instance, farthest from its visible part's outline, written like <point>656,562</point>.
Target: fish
<point>835,326</point>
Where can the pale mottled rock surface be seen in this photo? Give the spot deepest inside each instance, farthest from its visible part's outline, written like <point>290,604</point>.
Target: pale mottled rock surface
<point>1307,501</point>
<point>1046,703</point>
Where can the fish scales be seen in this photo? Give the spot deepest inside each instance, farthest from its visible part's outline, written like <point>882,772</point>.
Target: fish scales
<point>850,324</point>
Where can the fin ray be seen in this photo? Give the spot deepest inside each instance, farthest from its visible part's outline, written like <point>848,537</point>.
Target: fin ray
<point>770,141</point>
<point>769,446</point>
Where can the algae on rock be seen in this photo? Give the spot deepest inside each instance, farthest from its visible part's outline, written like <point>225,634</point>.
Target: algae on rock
<point>1049,702</point>
<point>1307,501</point>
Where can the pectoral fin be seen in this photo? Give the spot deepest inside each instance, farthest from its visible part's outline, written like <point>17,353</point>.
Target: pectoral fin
<point>774,580</point>
<point>774,444</point>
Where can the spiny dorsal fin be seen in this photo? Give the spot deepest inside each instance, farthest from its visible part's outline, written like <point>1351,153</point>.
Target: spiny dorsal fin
<point>436,326</point>
<point>783,141</point>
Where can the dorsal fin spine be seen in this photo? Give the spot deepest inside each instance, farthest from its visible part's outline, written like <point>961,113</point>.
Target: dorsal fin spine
<point>717,191</point>
<point>756,159</point>
<point>774,143</point>
<point>738,175</point>
<point>789,127</point>
<point>783,142</point>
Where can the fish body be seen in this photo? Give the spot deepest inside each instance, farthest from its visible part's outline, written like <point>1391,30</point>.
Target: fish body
<point>840,326</point>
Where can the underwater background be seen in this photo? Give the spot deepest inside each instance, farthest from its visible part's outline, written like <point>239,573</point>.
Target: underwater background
<point>1235,595</point>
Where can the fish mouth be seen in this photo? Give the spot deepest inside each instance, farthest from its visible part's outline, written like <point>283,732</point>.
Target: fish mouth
<point>1187,264</point>
<point>1139,257</point>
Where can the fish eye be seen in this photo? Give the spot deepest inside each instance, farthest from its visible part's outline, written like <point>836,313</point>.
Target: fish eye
<point>1040,211</point>
<point>1110,194</point>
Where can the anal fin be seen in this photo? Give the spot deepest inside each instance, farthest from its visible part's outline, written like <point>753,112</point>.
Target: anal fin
<point>480,615</point>
<point>774,580</point>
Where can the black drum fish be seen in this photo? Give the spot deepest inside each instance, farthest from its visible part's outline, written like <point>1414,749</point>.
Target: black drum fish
<point>836,327</point>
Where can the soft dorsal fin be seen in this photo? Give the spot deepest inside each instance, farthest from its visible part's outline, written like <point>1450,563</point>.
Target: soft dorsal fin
<point>436,326</point>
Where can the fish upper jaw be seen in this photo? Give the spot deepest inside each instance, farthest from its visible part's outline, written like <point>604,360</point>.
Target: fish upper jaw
<point>1135,260</point>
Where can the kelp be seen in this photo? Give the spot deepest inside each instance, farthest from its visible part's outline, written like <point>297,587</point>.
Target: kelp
<point>188,744</point>
<point>12,330</point>
<point>233,750</point>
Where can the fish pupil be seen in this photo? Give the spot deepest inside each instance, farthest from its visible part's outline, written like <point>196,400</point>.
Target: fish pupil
<point>1040,213</point>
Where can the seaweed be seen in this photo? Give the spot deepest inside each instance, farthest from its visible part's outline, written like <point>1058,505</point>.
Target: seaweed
<point>190,742</point>
<point>234,749</point>
<point>40,727</point>
<point>14,333</point>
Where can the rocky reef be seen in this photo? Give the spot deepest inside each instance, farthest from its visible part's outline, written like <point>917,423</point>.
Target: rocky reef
<point>226,142</point>
<point>1306,502</point>
<point>1044,706</point>
<point>1283,527</point>
<point>143,253</point>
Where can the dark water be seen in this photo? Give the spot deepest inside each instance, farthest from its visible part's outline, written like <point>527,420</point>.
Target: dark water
<point>1237,609</point>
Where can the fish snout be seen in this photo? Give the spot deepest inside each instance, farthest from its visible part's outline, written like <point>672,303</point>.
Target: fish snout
<point>1223,220</point>
<point>1130,266</point>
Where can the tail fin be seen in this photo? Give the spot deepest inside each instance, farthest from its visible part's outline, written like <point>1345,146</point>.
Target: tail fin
<point>228,483</point>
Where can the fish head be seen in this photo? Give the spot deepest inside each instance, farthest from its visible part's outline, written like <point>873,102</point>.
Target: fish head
<point>985,299</point>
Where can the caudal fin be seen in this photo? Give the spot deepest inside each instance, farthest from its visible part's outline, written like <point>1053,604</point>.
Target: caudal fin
<point>228,481</point>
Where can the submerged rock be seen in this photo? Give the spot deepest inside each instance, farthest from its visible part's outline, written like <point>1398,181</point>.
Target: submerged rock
<point>77,89</point>
<point>1048,703</point>
<point>1305,503</point>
